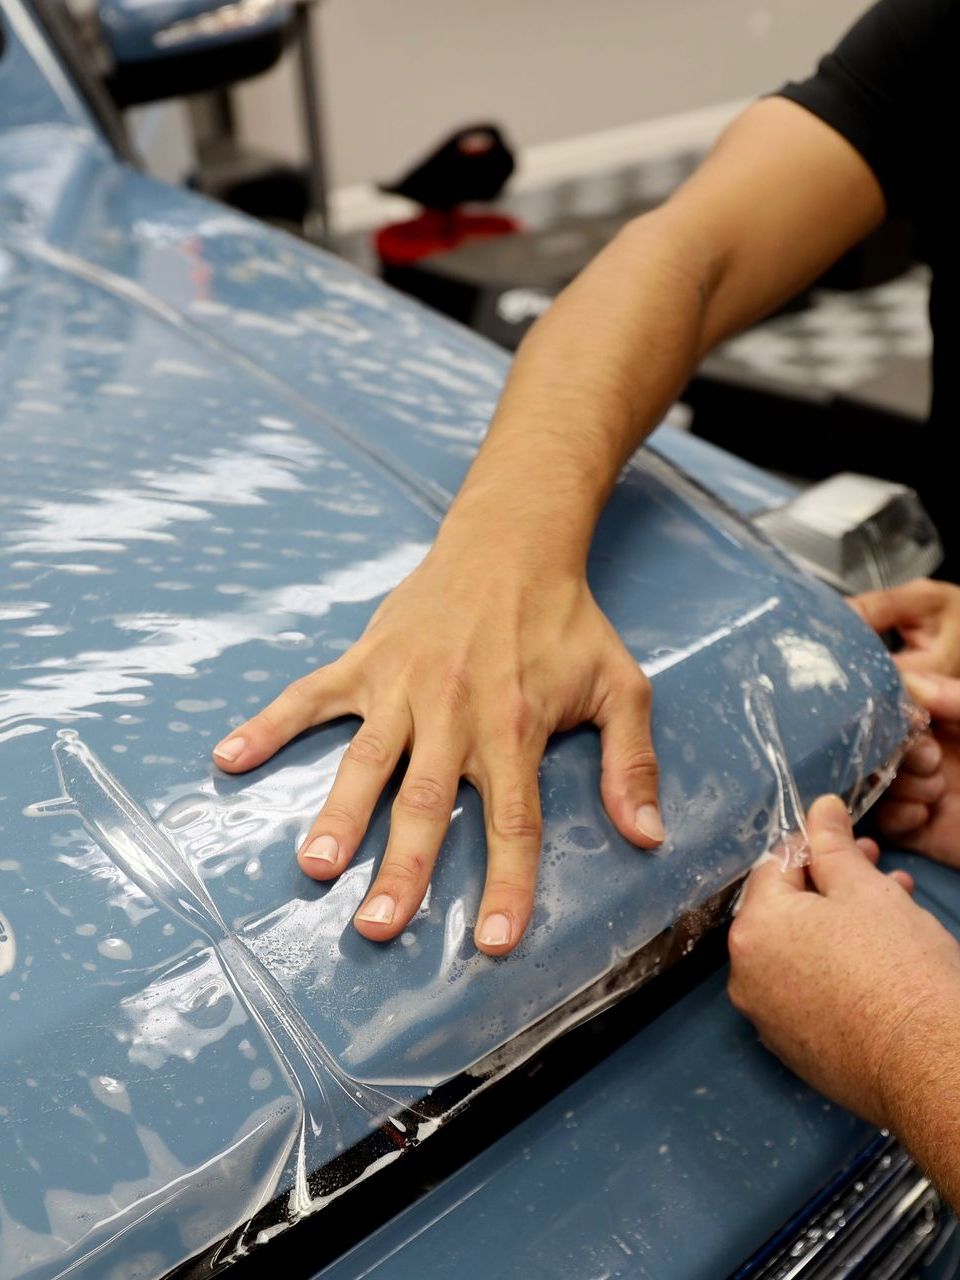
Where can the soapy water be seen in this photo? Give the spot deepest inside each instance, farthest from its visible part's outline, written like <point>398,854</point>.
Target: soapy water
<point>151,855</point>
<point>153,862</point>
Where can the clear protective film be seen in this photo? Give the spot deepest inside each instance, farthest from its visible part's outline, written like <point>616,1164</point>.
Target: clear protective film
<point>200,1049</point>
<point>872,774</point>
<point>221,450</point>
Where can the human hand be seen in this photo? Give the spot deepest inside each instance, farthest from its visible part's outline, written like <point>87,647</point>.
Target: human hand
<point>927,615</point>
<point>921,809</point>
<point>839,974</point>
<point>470,665</point>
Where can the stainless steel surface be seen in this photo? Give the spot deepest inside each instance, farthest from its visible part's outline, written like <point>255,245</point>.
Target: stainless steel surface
<point>856,532</point>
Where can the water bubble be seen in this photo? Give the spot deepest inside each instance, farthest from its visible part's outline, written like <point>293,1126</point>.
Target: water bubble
<point>115,949</point>
<point>208,1006</point>
<point>112,1093</point>
<point>193,706</point>
<point>289,640</point>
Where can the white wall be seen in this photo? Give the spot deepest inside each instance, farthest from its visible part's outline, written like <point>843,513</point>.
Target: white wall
<point>400,73</point>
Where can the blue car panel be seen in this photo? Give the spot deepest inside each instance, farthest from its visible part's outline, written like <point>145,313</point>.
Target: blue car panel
<point>220,450</point>
<point>663,1161</point>
<point>35,90</point>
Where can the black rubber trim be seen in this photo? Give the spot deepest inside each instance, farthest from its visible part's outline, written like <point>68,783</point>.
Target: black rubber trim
<point>476,1114</point>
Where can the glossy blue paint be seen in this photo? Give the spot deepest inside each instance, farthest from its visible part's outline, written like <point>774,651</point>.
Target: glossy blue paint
<point>744,487</point>
<point>146,30</point>
<point>35,91</point>
<point>220,450</point>
<point>677,1156</point>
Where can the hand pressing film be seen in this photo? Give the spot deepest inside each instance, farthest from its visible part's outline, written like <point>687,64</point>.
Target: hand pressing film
<point>469,680</point>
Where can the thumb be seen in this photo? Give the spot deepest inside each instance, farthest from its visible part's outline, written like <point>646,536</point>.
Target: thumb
<point>836,863</point>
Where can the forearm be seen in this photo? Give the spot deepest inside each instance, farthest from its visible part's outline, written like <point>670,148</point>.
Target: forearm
<point>590,381</point>
<point>922,1089</point>
<point>780,198</point>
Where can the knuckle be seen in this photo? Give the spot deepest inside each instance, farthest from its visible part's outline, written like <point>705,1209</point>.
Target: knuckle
<point>298,699</point>
<point>637,764</point>
<point>738,996</point>
<point>404,870</point>
<point>508,885</point>
<point>739,941</point>
<point>340,814</point>
<point>516,819</point>
<point>640,688</point>
<point>517,714</point>
<point>424,797</point>
<point>454,689</point>
<point>628,683</point>
<point>267,718</point>
<point>369,746</point>
<point>303,690</point>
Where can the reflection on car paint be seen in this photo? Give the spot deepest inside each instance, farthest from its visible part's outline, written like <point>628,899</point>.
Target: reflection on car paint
<point>221,450</point>
<point>8,947</point>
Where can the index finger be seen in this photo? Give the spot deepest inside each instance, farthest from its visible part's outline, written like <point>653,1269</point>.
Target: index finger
<point>940,695</point>
<point>324,694</point>
<point>893,607</point>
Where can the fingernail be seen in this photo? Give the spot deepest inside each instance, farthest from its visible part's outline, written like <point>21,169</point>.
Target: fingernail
<point>321,849</point>
<point>648,822</point>
<point>495,930</point>
<point>230,749</point>
<point>922,687</point>
<point>378,910</point>
<point>832,812</point>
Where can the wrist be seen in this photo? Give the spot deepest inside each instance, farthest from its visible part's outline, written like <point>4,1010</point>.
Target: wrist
<point>922,1052</point>
<point>499,528</point>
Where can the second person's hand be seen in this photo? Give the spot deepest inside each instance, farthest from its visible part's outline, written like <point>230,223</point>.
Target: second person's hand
<point>921,810</point>
<point>926,613</point>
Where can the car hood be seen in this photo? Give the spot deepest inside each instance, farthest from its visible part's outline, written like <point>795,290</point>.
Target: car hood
<point>220,450</point>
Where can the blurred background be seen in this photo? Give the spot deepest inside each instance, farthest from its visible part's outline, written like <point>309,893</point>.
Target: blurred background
<point>476,157</point>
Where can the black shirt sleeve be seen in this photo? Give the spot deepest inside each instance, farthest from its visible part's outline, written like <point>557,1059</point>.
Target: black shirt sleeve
<point>878,87</point>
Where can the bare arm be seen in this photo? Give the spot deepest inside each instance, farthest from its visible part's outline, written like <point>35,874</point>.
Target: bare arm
<point>781,197</point>
<point>495,642</point>
<point>923,1091</point>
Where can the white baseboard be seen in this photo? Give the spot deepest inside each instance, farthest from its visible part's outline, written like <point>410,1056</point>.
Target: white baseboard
<point>360,208</point>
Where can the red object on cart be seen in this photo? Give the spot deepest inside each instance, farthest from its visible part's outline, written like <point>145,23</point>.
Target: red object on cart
<point>401,244</point>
